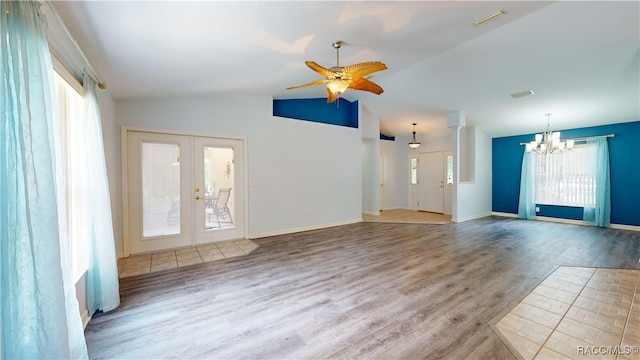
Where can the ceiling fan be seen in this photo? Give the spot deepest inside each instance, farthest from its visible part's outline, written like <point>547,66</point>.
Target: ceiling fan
<point>339,79</point>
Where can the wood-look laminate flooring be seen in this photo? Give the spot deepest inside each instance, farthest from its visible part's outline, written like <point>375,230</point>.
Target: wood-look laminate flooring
<point>364,290</point>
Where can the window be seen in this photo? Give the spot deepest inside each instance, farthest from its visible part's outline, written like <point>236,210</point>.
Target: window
<point>449,169</point>
<point>414,171</point>
<point>70,110</point>
<point>566,179</point>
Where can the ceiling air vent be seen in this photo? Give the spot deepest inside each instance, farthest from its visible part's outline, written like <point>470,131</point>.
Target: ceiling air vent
<point>522,94</point>
<point>488,18</point>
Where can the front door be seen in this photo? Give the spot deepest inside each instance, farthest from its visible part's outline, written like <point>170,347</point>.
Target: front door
<point>431,182</point>
<point>182,190</point>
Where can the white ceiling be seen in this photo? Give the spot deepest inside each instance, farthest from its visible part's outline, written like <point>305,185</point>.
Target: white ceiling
<point>582,59</point>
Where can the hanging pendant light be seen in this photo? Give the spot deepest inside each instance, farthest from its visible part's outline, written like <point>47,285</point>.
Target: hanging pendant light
<point>414,144</point>
<point>549,142</point>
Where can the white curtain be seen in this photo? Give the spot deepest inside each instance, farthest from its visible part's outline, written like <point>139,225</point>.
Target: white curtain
<point>102,285</point>
<point>599,213</point>
<point>39,315</point>
<point>526,204</point>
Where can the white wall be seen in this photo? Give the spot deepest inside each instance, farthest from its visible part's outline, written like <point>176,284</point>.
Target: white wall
<point>474,197</point>
<point>370,196</point>
<point>393,198</point>
<point>370,130</point>
<point>467,168</point>
<point>301,174</point>
<point>368,123</point>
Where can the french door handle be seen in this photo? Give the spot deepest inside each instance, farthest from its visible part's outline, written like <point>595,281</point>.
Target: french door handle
<point>197,197</point>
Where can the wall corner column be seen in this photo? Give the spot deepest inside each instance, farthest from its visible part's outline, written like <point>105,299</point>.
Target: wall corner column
<point>455,121</point>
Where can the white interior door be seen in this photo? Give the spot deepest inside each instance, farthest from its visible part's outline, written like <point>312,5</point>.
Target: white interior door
<point>159,192</point>
<point>219,197</point>
<point>431,189</point>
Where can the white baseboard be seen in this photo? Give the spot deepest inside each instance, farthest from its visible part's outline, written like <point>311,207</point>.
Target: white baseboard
<point>625,227</point>
<point>472,217</point>
<point>560,220</point>
<point>370,213</point>
<point>85,318</point>
<point>569,221</point>
<point>303,228</point>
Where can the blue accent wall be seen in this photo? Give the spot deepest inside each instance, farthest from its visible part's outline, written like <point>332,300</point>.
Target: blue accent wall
<point>624,159</point>
<point>342,112</point>
<point>385,137</point>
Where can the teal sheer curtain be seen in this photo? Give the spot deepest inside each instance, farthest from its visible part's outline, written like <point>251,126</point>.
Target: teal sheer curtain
<point>526,204</point>
<point>600,213</point>
<point>102,285</point>
<point>39,314</point>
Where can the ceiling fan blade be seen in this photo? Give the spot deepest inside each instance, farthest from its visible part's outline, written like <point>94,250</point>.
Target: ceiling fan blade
<point>319,69</point>
<point>366,85</point>
<point>313,83</point>
<point>358,71</point>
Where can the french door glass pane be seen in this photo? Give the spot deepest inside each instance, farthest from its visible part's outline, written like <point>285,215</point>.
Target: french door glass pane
<point>219,192</point>
<point>160,189</point>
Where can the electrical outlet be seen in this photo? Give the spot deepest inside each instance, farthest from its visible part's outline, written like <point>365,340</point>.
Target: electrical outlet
<point>537,209</point>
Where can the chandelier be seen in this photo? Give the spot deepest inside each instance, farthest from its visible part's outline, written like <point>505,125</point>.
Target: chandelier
<point>549,142</point>
<point>414,144</point>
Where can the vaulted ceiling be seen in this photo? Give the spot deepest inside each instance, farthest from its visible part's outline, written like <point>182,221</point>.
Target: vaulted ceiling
<point>582,59</point>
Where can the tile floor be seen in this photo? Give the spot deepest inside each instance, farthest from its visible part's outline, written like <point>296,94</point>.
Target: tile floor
<point>577,313</point>
<point>148,263</point>
<point>404,216</point>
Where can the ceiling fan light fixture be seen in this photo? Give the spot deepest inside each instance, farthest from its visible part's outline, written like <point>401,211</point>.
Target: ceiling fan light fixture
<point>337,87</point>
<point>414,144</point>
<point>490,17</point>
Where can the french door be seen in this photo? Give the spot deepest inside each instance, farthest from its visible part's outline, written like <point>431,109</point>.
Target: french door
<point>182,191</point>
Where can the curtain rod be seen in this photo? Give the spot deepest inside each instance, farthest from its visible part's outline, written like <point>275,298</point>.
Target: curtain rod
<point>94,75</point>
<point>582,138</point>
